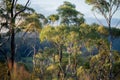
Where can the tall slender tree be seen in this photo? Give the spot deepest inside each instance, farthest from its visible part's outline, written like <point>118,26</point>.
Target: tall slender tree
<point>10,11</point>
<point>107,8</point>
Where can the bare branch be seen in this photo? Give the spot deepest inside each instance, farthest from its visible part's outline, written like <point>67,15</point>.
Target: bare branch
<point>22,9</point>
<point>105,16</point>
<point>12,8</point>
<point>16,2</point>
<point>110,9</point>
<point>15,5</point>
<point>97,19</point>
<point>117,7</point>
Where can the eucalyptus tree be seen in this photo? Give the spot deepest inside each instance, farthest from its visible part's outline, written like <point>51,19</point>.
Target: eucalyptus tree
<point>31,23</point>
<point>57,36</point>
<point>11,10</point>
<point>107,8</point>
<point>74,44</point>
<point>69,15</point>
<point>53,18</point>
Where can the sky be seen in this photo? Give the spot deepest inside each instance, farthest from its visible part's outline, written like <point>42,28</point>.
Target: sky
<point>48,7</point>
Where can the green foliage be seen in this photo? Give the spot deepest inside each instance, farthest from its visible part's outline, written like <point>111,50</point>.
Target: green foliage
<point>100,5</point>
<point>47,33</point>
<point>31,23</point>
<point>53,18</point>
<point>73,39</point>
<point>115,32</point>
<point>69,42</point>
<point>52,67</point>
<point>102,30</point>
<point>69,15</point>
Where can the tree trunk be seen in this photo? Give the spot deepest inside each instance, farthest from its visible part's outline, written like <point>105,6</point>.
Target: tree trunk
<point>60,60</point>
<point>60,54</point>
<point>111,54</point>
<point>75,65</point>
<point>12,43</point>
<point>12,46</point>
<point>60,66</point>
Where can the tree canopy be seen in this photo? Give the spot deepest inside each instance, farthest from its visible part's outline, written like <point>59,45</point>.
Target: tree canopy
<point>60,46</point>
<point>69,15</point>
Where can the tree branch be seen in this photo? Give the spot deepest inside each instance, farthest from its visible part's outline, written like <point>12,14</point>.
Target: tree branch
<point>97,19</point>
<point>105,16</point>
<point>117,7</point>
<point>22,9</point>
<point>15,5</point>
<point>12,7</point>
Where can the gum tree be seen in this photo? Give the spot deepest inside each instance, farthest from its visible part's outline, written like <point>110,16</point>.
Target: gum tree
<point>69,15</point>
<point>53,18</point>
<point>107,8</point>
<point>11,10</point>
